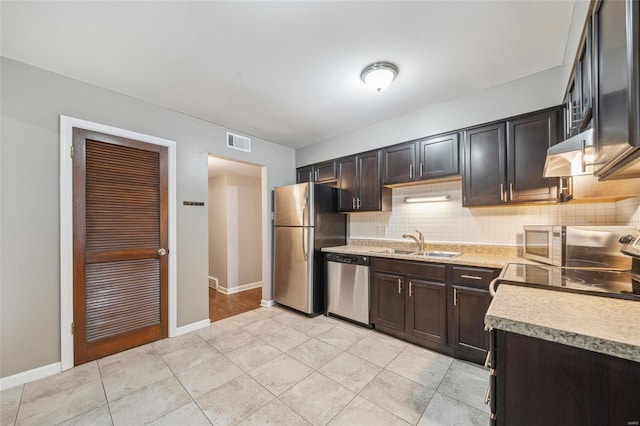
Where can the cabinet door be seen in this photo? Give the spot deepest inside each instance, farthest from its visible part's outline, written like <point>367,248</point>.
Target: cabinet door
<point>483,181</point>
<point>369,193</point>
<point>398,163</point>
<point>387,301</point>
<point>347,184</point>
<point>438,157</point>
<point>528,138</point>
<point>469,308</point>
<point>326,171</point>
<point>304,174</point>
<point>427,310</point>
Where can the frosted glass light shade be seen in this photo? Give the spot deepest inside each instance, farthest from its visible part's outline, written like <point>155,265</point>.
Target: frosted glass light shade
<point>378,76</point>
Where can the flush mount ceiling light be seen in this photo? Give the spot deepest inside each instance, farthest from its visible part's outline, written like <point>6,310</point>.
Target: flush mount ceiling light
<point>427,199</point>
<point>379,75</point>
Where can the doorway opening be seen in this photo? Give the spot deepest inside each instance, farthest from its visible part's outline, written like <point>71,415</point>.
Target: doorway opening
<point>235,237</point>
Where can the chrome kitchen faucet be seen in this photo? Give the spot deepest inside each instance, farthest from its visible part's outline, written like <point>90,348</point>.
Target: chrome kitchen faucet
<point>419,239</point>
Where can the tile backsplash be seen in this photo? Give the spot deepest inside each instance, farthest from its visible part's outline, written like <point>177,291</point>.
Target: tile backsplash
<point>448,221</point>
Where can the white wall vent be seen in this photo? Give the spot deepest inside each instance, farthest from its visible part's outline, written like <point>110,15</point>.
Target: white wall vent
<point>241,143</point>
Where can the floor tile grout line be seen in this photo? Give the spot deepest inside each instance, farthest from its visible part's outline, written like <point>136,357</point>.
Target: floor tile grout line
<point>105,393</point>
<point>452,397</point>
<point>15,420</point>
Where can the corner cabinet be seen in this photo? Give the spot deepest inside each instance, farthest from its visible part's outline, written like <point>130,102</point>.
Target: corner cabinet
<point>359,180</point>
<point>504,161</point>
<point>538,382</point>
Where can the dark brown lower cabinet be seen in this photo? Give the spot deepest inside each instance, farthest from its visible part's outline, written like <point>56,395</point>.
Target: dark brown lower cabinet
<point>426,316</point>
<point>409,301</point>
<point>470,341</point>
<point>538,382</point>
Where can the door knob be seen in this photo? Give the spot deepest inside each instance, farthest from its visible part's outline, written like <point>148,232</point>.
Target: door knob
<point>162,252</point>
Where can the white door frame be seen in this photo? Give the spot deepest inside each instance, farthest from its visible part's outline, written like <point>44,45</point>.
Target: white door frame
<point>66,226</point>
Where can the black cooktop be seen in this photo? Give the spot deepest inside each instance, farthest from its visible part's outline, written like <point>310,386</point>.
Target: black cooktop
<point>619,284</point>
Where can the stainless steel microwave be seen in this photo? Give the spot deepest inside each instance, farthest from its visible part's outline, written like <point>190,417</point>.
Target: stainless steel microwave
<point>577,246</point>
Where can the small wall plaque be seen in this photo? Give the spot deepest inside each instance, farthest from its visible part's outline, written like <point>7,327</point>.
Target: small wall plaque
<point>193,203</point>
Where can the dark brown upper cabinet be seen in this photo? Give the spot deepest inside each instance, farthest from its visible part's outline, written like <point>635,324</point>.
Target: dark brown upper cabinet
<point>484,173</point>
<point>504,161</point>
<point>398,163</point>
<point>304,174</point>
<point>616,70</point>
<point>360,183</point>
<point>326,171</point>
<point>430,158</point>
<point>578,100</point>
<point>438,157</point>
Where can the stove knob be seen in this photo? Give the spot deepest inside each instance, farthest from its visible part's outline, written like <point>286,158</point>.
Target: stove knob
<point>625,239</point>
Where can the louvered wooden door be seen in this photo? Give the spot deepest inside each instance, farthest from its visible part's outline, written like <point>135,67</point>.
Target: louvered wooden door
<point>120,266</point>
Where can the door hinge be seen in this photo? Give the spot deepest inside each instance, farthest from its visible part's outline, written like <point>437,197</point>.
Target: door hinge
<point>73,328</point>
<point>71,151</point>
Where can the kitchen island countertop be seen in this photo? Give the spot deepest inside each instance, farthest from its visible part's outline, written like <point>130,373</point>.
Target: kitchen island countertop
<point>600,324</point>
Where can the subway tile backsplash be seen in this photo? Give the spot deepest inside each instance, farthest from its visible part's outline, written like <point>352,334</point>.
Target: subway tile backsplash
<point>448,221</point>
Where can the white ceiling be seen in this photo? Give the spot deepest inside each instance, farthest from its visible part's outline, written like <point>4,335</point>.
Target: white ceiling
<point>288,72</point>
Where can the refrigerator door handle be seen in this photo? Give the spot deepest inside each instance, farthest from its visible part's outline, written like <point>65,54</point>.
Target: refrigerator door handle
<point>304,207</point>
<point>304,244</point>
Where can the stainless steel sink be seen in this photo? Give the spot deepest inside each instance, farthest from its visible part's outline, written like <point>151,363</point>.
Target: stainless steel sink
<point>391,251</point>
<point>440,254</point>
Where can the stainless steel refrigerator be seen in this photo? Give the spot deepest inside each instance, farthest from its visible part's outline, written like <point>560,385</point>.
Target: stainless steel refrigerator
<point>305,221</point>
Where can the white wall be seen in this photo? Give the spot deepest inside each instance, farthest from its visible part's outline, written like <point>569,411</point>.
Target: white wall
<point>235,231</point>
<point>218,229</point>
<point>520,96</point>
<point>244,240</point>
<point>32,101</point>
<point>448,221</point>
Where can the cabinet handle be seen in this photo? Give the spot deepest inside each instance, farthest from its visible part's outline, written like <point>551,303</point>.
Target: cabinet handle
<point>455,296</point>
<point>410,171</point>
<point>471,277</point>
<point>399,285</point>
<point>410,288</point>
<point>353,203</point>
<point>487,398</point>
<point>511,191</point>
<point>502,192</point>
<point>421,170</point>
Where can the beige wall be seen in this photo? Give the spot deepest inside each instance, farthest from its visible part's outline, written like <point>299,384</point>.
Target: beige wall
<point>235,232</point>
<point>244,259</point>
<point>32,101</point>
<point>218,229</point>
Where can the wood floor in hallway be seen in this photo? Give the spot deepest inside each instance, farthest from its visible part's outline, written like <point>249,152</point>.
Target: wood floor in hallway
<point>226,305</point>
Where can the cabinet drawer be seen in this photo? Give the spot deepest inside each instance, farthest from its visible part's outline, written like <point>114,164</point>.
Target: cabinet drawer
<point>475,277</point>
<point>422,270</point>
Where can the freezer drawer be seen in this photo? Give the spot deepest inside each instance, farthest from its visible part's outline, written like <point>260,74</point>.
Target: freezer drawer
<point>348,288</point>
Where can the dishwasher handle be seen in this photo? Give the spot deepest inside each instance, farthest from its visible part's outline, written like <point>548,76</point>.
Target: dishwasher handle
<point>349,259</point>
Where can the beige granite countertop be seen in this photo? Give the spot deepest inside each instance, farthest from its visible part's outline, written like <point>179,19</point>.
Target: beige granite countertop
<point>600,324</point>
<point>472,255</point>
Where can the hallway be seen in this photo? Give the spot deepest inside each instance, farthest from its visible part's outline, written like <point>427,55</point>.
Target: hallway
<point>223,306</point>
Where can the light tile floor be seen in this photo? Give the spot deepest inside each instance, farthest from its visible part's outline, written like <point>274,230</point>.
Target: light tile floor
<point>269,366</point>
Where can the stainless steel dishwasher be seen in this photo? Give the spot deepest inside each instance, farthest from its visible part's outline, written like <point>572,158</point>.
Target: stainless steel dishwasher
<point>348,287</point>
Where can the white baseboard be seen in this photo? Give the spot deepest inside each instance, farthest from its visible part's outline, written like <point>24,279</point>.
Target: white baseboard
<point>213,282</point>
<point>239,288</point>
<point>30,375</point>
<point>267,303</point>
<point>192,327</point>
